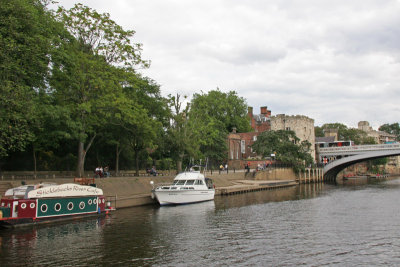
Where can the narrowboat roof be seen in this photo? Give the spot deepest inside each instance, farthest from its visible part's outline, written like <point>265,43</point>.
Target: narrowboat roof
<point>53,191</point>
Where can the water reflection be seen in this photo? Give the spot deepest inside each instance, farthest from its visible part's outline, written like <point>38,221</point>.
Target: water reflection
<point>312,224</point>
<point>277,195</point>
<point>47,244</point>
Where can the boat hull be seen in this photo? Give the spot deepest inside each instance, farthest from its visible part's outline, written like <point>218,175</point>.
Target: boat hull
<point>176,197</point>
<point>22,222</point>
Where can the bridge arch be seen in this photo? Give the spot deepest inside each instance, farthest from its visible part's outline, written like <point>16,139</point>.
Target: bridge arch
<point>332,169</point>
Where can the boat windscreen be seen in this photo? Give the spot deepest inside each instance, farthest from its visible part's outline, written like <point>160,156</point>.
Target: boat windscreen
<point>181,182</point>
<point>190,182</point>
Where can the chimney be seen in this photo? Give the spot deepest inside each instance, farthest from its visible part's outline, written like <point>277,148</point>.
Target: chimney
<point>264,111</point>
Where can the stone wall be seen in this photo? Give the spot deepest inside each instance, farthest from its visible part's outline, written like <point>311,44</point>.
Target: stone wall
<point>301,125</point>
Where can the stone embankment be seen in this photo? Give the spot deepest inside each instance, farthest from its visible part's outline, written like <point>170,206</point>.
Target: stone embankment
<point>129,191</point>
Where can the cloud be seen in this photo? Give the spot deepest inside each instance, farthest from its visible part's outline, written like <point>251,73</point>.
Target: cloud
<point>334,61</point>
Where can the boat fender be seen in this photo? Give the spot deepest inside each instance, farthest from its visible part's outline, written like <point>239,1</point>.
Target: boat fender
<point>98,210</point>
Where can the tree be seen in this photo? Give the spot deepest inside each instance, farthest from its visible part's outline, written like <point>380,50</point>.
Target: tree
<point>319,132</point>
<point>26,36</point>
<point>349,134</point>
<point>90,71</point>
<point>213,115</point>
<point>286,146</point>
<point>393,128</point>
<point>181,137</point>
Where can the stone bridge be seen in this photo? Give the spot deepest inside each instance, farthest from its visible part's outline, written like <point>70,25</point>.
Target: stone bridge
<point>339,158</point>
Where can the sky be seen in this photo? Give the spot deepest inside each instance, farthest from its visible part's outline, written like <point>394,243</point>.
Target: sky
<point>332,61</point>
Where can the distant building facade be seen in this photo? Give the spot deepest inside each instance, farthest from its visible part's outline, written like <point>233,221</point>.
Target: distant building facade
<point>260,123</point>
<point>379,136</point>
<point>301,125</point>
<point>239,144</point>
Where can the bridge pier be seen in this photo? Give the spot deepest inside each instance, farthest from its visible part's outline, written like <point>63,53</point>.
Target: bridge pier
<point>311,175</point>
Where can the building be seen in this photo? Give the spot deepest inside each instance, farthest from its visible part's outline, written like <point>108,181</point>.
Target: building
<point>379,136</point>
<point>301,125</point>
<point>260,123</point>
<point>239,144</point>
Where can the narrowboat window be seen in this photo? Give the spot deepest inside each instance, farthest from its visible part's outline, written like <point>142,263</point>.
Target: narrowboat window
<point>23,205</point>
<point>95,201</point>
<point>189,182</point>
<point>82,205</point>
<point>181,182</point>
<point>57,207</point>
<point>32,205</point>
<point>90,202</point>
<point>43,208</point>
<point>70,206</point>
<point>2,204</point>
<point>199,182</point>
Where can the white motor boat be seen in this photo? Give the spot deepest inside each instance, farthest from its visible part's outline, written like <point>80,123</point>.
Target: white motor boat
<point>187,187</point>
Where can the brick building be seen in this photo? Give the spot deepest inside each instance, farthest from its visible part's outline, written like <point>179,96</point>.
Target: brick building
<point>239,144</point>
<point>260,123</point>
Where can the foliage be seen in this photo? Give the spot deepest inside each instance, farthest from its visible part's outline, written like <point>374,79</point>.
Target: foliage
<point>319,131</point>
<point>349,134</point>
<point>286,146</point>
<point>181,137</point>
<point>213,115</point>
<point>90,72</point>
<point>393,128</point>
<point>26,36</point>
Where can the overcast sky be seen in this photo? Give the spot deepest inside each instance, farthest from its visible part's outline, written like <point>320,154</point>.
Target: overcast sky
<point>333,61</point>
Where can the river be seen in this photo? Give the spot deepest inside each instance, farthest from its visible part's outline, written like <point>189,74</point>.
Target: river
<point>355,224</point>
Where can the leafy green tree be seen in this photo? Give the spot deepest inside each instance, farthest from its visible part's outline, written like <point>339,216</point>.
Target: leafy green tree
<point>181,138</point>
<point>286,146</point>
<point>213,115</point>
<point>393,128</point>
<point>319,132</point>
<point>26,38</point>
<point>90,72</point>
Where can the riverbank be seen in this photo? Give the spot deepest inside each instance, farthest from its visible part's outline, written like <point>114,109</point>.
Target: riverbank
<point>136,191</point>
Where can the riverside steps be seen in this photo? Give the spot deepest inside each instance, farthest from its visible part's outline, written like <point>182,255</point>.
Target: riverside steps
<point>130,191</point>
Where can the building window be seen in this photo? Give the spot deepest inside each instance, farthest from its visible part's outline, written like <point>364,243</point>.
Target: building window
<point>287,128</point>
<point>255,138</point>
<point>243,146</point>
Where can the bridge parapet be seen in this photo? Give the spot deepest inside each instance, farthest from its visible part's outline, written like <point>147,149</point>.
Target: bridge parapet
<point>354,150</point>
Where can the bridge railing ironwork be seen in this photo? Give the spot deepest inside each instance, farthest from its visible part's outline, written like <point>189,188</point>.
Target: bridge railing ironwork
<point>360,148</point>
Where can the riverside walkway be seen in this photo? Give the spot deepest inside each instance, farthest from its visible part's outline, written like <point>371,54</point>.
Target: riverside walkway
<point>136,191</point>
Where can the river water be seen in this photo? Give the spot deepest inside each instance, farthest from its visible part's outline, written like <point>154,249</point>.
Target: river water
<point>355,224</point>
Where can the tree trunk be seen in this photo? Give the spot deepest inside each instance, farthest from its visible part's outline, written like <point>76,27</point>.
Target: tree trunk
<point>81,156</point>
<point>137,162</point>
<point>81,159</point>
<point>179,163</point>
<point>34,161</point>
<point>117,160</point>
